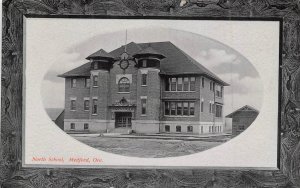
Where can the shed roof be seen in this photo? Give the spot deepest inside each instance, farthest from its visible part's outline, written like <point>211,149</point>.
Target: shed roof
<point>177,62</point>
<point>242,109</point>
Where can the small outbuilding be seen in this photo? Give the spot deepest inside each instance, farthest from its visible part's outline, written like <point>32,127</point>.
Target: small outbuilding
<point>242,118</point>
<point>57,116</point>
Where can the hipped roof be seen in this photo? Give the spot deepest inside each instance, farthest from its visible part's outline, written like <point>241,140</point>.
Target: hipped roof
<point>176,61</point>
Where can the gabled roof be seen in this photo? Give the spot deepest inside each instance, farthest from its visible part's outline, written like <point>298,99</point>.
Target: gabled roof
<point>177,62</point>
<point>242,109</point>
<point>100,53</point>
<point>53,113</point>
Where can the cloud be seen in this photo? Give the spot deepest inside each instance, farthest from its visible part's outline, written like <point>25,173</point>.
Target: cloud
<point>53,94</point>
<point>214,57</point>
<point>220,62</point>
<point>62,64</point>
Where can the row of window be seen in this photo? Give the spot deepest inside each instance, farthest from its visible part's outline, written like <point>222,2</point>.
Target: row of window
<point>85,126</point>
<point>87,82</point>
<point>176,108</point>
<point>123,84</point>
<point>212,129</point>
<point>181,84</point>
<point>86,105</point>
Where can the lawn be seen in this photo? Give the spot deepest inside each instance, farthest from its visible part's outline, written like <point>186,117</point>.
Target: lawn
<point>152,148</point>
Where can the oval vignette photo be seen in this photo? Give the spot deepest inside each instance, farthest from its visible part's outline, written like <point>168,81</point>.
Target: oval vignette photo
<point>152,92</point>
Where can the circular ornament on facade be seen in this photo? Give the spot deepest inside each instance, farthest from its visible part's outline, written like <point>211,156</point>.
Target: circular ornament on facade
<point>124,64</point>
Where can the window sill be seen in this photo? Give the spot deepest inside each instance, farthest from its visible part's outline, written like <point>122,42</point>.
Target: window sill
<point>144,85</point>
<point>73,110</point>
<point>120,92</point>
<point>94,114</point>
<point>95,86</point>
<point>86,110</point>
<point>143,115</point>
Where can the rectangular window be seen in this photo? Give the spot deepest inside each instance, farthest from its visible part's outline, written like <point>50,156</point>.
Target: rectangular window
<point>222,91</point>
<point>190,129</point>
<point>144,79</point>
<point>210,129</point>
<point>241,127</point>
<point>168,84</point>
<point>86,104</point>
<point>218,111</point>
<point>95,80</point>
<point>144,104</point>
<point>167,128</point>
<point>173,84</point>
<point>73,82</point>
<point>192,83</point>
<point>202,106</point>
<point>219,91</point>
<point>179,84</point>
<point>178,128</point>
<point>173,108</point>
<point>210,107</point>
<point>87,82</point>
<point>202,82</point>
<point>185,84</point>
<point>86,126</point>
<point>192,108</point>
<point>185,108</point>
<point>72,126</point>
<point>73,104</point>
<point>179,108</point>
<point>167,108</point>
<point>95,106</point>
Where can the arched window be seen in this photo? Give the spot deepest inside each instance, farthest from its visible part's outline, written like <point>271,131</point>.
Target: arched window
<point>124,85</point>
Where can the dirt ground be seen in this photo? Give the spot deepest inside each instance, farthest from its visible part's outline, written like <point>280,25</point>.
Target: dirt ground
<point>150,148</point>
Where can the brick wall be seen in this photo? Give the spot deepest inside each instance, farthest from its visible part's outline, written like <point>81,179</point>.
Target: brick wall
<point>243,118</point>
<point>207,95</point>
<point>114,95</point>
<point>79,92</point>
<point>151,91</point>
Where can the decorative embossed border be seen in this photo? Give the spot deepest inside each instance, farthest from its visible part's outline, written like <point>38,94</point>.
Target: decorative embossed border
<point>13,175</point>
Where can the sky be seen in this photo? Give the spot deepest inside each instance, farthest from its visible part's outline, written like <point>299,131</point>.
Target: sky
<point>245,84</point>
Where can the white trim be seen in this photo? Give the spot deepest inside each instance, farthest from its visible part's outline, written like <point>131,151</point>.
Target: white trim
<point>94,97</point>
<point>86,98</point>
<point>119,76</point>
<point>144,71</point>
<point>73,98</point>
<point>143,97</point>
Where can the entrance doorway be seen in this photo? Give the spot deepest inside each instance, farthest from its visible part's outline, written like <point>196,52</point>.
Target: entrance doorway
<point>123,119</point>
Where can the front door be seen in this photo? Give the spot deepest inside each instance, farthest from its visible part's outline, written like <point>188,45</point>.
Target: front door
<point>123,119</point>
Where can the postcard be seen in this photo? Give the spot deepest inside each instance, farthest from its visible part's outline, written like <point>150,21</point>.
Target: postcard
<point>151,93</point>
